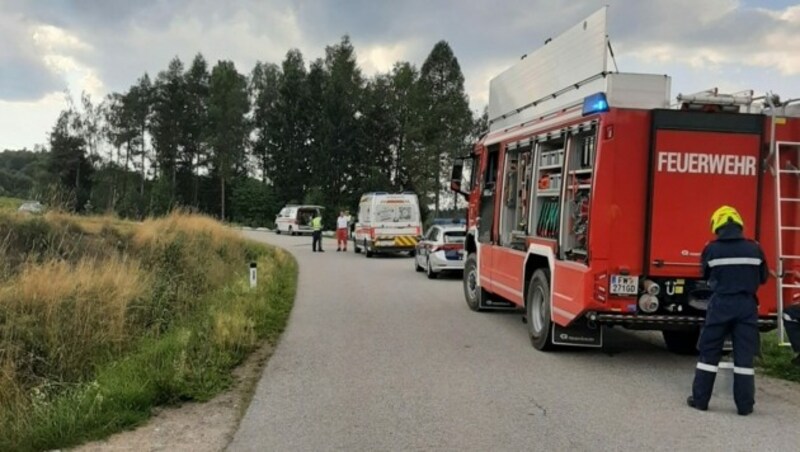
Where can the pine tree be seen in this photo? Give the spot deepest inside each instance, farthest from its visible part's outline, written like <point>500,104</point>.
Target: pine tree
<point>194,123</point>
<point>229,126</point>
<point>264,85</point>
<point>167,128</point>
<point>290,132</point>
<point>139,103</point>
<point>443,118</point>
<point>403,80</point>
<point>382,135</point>
<point>342,120</point>
<point>68,161</point>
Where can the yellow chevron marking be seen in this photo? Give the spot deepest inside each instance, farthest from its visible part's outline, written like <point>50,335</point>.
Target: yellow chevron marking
<point>405,240</point>
<point>400,240</point>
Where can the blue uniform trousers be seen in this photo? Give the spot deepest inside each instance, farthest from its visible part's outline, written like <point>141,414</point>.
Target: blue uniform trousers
<point>735,315</point>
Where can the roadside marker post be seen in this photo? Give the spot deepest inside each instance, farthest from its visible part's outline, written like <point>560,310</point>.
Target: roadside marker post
<point>253,275</point>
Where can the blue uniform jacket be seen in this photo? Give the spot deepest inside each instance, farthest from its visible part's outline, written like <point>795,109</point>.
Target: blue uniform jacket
<point>732,264</point>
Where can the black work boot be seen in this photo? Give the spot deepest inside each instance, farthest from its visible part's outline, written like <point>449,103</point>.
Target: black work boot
<point>691,403</point>
<point>744,411</point>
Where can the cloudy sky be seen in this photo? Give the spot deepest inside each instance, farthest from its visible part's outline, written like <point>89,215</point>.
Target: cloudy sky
<point>99,46</point>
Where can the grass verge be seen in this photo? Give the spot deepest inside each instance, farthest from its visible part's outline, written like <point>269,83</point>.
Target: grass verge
<point>776,360</point>
<point>9,204</point>
<point>91,339</point>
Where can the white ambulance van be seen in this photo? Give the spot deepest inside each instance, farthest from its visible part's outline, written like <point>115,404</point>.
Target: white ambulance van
<point>296,220</point>
<point>387,223</point>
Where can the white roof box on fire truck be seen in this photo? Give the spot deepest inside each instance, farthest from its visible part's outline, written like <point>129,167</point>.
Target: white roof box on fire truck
<point>566,70</point>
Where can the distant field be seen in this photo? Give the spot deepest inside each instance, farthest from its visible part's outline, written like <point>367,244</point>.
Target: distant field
<point>7,204</point>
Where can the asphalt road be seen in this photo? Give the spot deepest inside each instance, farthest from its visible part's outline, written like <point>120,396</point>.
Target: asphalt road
<point>377,357</point>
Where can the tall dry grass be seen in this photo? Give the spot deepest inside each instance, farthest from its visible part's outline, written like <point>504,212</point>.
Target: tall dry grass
<point>62,315</point>
<point>101,319</point>
<point>76,292</point>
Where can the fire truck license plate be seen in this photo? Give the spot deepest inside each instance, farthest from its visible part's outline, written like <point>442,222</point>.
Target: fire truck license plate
<point>624,285</point>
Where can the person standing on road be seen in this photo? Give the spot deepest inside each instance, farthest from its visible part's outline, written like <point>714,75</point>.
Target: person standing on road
<point>351,223</point>
<point>316,225</point>
<point>734,267</point>
<point>341,232</point>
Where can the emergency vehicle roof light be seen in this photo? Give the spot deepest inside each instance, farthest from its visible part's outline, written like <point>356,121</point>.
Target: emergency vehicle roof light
<point>596,103</point>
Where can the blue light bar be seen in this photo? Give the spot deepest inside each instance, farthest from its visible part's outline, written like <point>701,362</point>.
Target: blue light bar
<point>596,103</point>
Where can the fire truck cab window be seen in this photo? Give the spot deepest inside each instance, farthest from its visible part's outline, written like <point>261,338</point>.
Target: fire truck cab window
<point>486,223</point>
<point>491,169</point>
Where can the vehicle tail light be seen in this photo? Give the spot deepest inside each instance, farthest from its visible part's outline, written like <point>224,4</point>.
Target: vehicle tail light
<point>446,247</point>
<point>418,231</point>
<point>372,233</point>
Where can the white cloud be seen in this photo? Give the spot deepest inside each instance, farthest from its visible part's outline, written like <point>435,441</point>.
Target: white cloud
<point>64,54</point>
<point>379,58</point>
<point>727,36</point>
<point>52,39</point>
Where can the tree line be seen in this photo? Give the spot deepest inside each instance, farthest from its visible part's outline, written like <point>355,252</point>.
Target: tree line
<point>241,146</point>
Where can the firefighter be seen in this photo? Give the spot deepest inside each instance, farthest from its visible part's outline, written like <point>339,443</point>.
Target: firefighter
<point>316,225</point>
<point>791,320</point>
<point>734,267</point>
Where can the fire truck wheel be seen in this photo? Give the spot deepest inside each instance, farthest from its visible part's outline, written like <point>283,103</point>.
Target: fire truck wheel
<point>473,293</point>
<point>291,232</point>
<point>537,307</point>
<point>355,247</point>
<point>682,342</point>
<point>367,251</point>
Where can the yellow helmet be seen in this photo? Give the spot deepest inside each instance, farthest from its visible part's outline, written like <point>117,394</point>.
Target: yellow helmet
<point>723,215</point>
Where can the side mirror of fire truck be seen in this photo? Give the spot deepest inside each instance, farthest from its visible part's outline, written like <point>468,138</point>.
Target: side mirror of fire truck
<point>456,176</point>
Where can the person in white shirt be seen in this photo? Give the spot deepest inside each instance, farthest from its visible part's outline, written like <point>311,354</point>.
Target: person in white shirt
<point>341,232</point>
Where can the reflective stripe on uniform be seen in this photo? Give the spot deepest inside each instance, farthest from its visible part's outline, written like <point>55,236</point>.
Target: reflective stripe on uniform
<point>707,367</point>
<point>744,371</point>
<point>734,261</point>
<point>789,318</point>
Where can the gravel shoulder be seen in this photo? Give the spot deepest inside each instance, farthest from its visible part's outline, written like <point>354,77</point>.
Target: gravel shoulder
<point>196,427</point>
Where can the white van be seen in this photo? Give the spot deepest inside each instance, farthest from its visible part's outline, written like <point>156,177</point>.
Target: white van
<point>295,220</point>
<point>387,223</point>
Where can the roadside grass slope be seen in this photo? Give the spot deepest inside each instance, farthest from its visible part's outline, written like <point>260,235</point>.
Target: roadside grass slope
<point>9,204</point>
<point>101,320</point>
<point>776,360</point>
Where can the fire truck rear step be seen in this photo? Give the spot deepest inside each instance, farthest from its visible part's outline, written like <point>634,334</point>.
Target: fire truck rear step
<point>662,320</point>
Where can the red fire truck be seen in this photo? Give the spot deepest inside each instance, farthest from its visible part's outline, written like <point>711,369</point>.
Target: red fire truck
<point>590,198</point>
